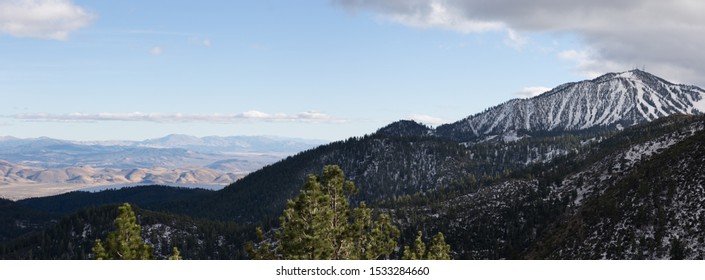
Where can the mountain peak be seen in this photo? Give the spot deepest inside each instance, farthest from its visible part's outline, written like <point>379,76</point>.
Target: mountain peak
<point>632,75</point>
<point>405,128</point>
<point>611,100</point>
<point>180,137</point>
<point>173,140</point>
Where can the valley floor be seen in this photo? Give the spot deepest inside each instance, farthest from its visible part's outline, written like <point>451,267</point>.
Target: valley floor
<point>22,191</point>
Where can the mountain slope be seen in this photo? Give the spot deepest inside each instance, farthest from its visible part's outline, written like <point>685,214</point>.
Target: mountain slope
<point>18,220</point>
<point>613,100</point>
<point>380,167</point>
<point>656,210</point>
<point>627,197</point>
<point>383,168</point>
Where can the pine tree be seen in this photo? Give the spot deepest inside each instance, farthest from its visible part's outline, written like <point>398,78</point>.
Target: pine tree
<point>125,243</point>
<point>372,240</point>
<point>261,251</point>
<point>175,255</point>
<point>418,252</point>
<point>99,251</point>
<point>437,250</point>
<point>319,225</point>
<point>677,249</point>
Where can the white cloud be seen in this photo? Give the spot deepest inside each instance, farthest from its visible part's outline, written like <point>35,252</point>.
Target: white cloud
<point>529,92</point>
<point>438,15</point>
<point>661,35</point>
<point>514,40</point>
<point>46,19</point>
<point>428,120</point>
<point>590,65</point>
<point>255,115</point>
<point>196,40</point>
<point>305,117</point>
<point>156,51</point>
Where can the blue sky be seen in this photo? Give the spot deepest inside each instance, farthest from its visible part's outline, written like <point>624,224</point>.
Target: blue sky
<point>96,70</point>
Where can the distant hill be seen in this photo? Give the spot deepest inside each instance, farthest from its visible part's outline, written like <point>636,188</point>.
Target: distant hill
<point>173,151</point>
<point>31,164</point>
<point>232,144</point>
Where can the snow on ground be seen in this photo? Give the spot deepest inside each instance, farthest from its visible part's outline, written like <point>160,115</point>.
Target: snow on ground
<point>597,177</point>
<point>700,105</point>
<point>511,137</point>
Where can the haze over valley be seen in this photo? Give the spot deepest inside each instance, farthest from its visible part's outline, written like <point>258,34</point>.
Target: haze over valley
<point>45,166</point>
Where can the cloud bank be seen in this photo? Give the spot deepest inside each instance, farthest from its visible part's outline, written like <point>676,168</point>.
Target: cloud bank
<point>664,36</point>
<point>305,117</point>
<point>45,19</point>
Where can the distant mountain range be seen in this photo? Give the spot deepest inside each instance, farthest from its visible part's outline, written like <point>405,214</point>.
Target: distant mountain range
<point>88,176</point>
<point>170,151</point>
<point>174,159</point>
<point>231,144</point>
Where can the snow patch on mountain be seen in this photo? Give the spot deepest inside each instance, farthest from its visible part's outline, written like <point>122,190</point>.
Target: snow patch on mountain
<point>700,104</point>
<point>594,180</point>
<point>511,137</point>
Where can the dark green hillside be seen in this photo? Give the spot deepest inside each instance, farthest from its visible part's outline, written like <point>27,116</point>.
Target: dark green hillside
<point>73,236</point>
<point>17,220</point>
<point>384,168</point>
<point>380,167</point>
<point>143,196</point>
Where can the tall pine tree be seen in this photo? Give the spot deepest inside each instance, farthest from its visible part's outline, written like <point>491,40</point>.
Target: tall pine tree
<point>437,250</point>
<point>319,225</point>
<point>125,243</point>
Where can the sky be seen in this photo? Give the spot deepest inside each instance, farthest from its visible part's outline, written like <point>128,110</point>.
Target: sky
<point>318,69</point>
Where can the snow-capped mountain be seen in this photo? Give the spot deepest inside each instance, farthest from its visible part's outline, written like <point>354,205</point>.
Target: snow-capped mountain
<point>613,100</point>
